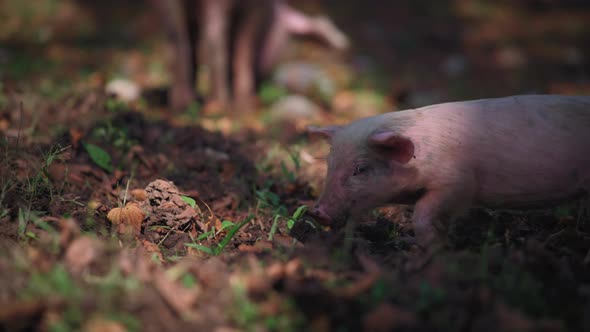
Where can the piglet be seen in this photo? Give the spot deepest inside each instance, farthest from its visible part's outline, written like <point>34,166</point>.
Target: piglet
<point>529,151</point>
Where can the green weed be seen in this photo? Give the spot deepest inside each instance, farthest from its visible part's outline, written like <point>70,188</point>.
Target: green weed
<point>217,249</point>
<point>248,316</point>
<point>57,283</point>
<point>270,93</point>
<point>99,156</point>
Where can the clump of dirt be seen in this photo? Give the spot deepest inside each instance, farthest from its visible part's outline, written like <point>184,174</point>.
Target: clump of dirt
<point>166,209</point>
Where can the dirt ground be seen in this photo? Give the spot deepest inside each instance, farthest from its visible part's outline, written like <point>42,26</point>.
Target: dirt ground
<point>119,216</point>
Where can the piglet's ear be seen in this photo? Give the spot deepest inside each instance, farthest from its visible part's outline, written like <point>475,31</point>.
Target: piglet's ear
<point>323,132</point>
<point>398,148</point>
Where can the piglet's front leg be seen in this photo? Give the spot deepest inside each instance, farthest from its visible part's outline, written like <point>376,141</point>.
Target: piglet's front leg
<point>434,212</point>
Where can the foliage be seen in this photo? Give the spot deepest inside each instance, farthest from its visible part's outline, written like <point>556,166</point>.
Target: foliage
<point>99,156</point>
<point>270,93</point>
<point>217,249</point>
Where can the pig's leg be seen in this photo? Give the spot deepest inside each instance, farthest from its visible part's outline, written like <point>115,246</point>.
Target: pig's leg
<point>254,16</point>
<point>289,21</point>
<point>214,39</point>
<point>274,40</point>
<point>434,212</point>
<point>181,92</point>
<point>300,24</point>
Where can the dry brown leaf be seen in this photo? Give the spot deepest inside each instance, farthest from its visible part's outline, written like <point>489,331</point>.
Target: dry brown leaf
<point>286,241</point>
<point>152,249</point>
<point>275,272</point>
<point>39,258</point>
<point>359,287</point>
<point>26,315</point>
<point>133,262</point>
<point>225,202</point>
<point>82,252</point>
<point>69,230</point>
<point>294,269</point>
<point>4,124</point>
<point>258,247</point>
<point>75,136</point>
<point>217,222</point>
<point>180,299</point>
<point>73,173</point>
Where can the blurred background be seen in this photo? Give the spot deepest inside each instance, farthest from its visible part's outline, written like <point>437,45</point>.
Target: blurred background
<point>403,53</point>
<point>61,59</point>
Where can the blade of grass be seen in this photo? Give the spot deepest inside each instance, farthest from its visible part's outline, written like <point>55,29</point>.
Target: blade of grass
<point>221,245</point>
<point>273,228</point>
<point>202,248</point>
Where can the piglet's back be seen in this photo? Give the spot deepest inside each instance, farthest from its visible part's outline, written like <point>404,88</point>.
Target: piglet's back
<point>519,151</point>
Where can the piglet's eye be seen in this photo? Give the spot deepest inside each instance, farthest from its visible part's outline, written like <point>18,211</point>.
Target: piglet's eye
<point>360,169</point>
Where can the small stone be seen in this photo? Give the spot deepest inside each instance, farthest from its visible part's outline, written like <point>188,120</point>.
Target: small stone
<point>123,89</point>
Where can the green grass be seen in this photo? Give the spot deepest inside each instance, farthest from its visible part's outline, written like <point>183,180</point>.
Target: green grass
<point>217,249</point>
<point>249,316</point>
<point>105,291</point>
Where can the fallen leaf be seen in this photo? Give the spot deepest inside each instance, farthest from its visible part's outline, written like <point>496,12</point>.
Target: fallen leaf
<point>223,203</point>
<point>294,269</point>
<point>26,315</point>
<point>4,124</point>
<point>69,230</point>
<point>286,241</point>
<point>275,272</point>
<point>73,173</point>
<point>82,252</point>
<point>358,287</point>
<point>75,135</point>
<point>218,224</point>
<point>179,298</point>
<point>152,249</point>
<point>258,247</point>
<point>133,262</point>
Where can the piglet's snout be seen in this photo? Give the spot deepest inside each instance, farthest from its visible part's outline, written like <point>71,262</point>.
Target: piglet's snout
<point>320,214</point>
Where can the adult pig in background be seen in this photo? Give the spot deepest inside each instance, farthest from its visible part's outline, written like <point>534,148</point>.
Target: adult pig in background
<point>530,151</point>
<point>238,41</point>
